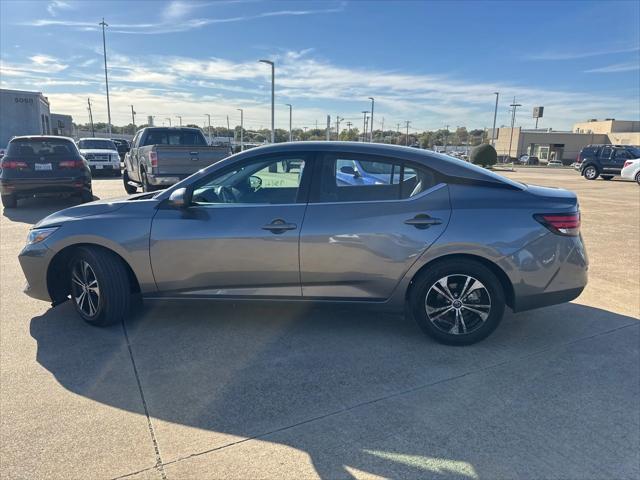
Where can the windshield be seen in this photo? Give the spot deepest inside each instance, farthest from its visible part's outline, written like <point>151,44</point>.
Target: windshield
<point>96,145</point>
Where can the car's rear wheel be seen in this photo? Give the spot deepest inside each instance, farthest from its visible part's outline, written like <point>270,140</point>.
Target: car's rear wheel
<point>458,302</point>
<point>606,177</point>
<point>130,189</point>
<point>590,172</point>
<point>638,178</point>
<point>100,288</point>
<point>9,201</point>
<point>86,196</point>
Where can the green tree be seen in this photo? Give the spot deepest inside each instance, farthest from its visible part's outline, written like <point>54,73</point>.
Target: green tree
<point>484,155</point>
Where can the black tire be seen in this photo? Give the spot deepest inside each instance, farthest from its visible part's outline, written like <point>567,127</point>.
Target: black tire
<point>590,172</point>
<point>9,201</point>
<point>146,186</point>
<point>445,316</point>
<point>86,196</point>
<point>638,178</point>
<point>606,177</point>
<point>130,189</point>
<point>112,303</point>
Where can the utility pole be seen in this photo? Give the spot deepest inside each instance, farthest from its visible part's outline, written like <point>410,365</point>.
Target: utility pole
<point>372,104</point>
<point>106,78</point>
<point>290,117</point>
<point>349,127</point>
<point>169,120</point>
<point>179,119</point>
<point>93,131</point>
<point>273,98</point>
<point>364,124</point>
<point>133,119</point>
<point>495,115</point>
<point>241,129</point>
<point>209,128</point>
<point>406,138</point>
<point>328,127</point>
<point>514,105</point>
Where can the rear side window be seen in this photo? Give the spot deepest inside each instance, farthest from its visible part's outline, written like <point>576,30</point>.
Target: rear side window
<point>356,178</point>
<point>589,151</point>
<point>605,153</point>
<point>35,148</point>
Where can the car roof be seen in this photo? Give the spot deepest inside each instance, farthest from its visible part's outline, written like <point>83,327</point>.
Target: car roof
<point>41,137</point>
<point>95,138</point>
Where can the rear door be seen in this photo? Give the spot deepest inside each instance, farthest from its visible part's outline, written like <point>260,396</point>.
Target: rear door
<point>620,155</point>
<point>359,239</point>
<point>606,159</point>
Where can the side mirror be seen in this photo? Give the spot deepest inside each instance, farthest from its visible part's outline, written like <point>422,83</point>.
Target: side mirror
<point>349,171</point>
<point>180,198</point>
<point>255,182</point>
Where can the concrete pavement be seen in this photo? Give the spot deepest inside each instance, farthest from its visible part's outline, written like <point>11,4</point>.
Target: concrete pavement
<point>279,391</point>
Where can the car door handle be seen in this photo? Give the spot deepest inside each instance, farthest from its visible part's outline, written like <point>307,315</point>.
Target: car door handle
<point>423,221</point>
<point>279,226</point>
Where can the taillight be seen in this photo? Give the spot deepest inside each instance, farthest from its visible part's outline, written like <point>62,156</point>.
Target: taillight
<point>70,164</point>
<point>561,223</point>
<point>13,164</point>
<point>578,159</point>
<point>627,163</point>
<point>153,158</point>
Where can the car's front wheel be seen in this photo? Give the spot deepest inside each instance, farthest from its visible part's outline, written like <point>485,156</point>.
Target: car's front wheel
<point>130,189</point>
<point>638,178</point>
<point>100,289</point>
<point>459,302</point>
<point>590,172</point>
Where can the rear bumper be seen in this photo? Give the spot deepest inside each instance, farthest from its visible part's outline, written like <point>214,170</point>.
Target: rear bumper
<point>36,186</point>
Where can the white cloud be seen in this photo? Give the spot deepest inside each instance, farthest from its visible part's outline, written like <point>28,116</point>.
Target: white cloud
<point>56,5</point>
<point>617,67</point>
<point>567,55</point>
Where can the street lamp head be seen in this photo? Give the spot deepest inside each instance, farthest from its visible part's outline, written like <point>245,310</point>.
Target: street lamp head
<point>269,62</point>
<point>371,98</point>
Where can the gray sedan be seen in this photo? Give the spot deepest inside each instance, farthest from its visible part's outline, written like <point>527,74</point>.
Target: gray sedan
<point>454,242</point>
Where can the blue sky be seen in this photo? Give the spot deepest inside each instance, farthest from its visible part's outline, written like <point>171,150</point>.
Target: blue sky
<point>433,63</point>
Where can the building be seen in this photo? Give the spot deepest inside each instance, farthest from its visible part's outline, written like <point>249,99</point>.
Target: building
<point>61,125</point>
<point>547,144</point>
<point>28,113</point>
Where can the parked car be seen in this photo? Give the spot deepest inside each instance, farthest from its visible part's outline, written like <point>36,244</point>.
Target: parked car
<point>101,155</point>
<point>122,146</point>
<point>529,160</point>
<point>605,161</point>
<point>162,156</point>
<point>43,166</point>
<point>454,241</point>
<point>554,163</point>
<point>631,170</point>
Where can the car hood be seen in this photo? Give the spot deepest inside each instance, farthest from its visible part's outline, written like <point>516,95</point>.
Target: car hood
<point>100,151</point>
<point>99,207</point>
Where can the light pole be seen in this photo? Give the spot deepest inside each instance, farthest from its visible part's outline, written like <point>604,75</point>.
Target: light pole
<point>406,138</point>
<point>514,105</point>
<point>364,124</point>
<point>133,118</point>
<point>273,98</point>
<point>290,117</point>
<point>209,128</point>
<point>179,119</point>
<point>495,115</point>
<point>241,129</point>
<point>169,120</point>
<point>338,120</point>
<point>446,138</point>
<point>372,103</point>
<point>106,78</point>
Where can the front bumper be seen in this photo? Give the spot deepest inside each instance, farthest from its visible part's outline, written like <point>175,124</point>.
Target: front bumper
<point>34,261</point>
<point>36,186</point>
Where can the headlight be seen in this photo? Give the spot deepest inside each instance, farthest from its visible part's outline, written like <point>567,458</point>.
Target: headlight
<point>37,235</point>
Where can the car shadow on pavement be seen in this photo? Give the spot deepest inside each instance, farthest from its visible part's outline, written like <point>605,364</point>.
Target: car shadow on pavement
<point>359,390</point>
<point>32,210</point>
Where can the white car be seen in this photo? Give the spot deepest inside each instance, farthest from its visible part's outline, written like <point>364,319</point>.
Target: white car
<point>101,154</point>
<point>631,170</point>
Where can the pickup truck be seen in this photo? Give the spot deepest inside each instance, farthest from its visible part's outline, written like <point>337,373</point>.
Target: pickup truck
<point>162,156</point>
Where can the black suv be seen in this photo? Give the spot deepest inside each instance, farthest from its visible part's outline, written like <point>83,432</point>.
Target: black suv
<point>43,165</point>
<point>605,161</point>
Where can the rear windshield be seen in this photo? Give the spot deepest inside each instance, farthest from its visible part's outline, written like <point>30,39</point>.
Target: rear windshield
<point>174,137</point>
<point>97,145</point>
<point>34,148</point>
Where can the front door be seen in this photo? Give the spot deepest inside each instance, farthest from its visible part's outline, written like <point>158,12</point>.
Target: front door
<point>368,220</point>
<point>240,236</point>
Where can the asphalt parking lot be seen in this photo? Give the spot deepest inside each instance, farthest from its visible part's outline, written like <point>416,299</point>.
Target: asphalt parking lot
<point>274,391</point>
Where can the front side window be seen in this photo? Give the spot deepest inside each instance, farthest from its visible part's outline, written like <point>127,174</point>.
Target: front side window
<point>355,178</point>
<point>272,180</point>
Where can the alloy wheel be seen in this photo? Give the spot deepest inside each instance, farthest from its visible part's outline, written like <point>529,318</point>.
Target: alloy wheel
<point>85,289</point>
<point>591,173</point>
<point>458,304</point>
